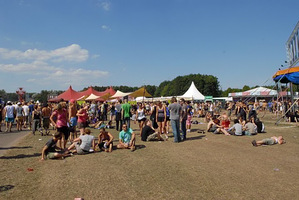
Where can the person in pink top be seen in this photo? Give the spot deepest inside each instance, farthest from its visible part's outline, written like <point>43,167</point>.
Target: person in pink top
<point>61,116</point>
<point>82,118</point>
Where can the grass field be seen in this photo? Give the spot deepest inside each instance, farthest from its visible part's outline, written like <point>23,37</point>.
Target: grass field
<point>205,166</point>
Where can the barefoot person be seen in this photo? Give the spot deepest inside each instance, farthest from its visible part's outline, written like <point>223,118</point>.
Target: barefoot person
<point>126,138</point>
<point>269,141</point>
<point>51,150</point>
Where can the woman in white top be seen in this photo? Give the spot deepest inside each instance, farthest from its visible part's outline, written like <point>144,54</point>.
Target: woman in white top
<point>140,116</point>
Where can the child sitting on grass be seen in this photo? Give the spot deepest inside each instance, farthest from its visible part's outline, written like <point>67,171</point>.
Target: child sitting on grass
<point>269,141</point>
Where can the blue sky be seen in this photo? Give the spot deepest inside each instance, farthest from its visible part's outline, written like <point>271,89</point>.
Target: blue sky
<point>51,44</point>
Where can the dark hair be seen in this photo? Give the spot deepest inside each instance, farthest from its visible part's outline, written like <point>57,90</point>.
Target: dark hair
<point>236,121</point>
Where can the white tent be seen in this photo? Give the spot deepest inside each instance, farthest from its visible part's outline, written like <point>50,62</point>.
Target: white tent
<point>193,93</point>
<point>256,92</point>
<point>92,97</point>
<point>120,94</point>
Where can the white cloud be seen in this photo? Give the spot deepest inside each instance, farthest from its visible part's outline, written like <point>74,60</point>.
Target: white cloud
<point>72,53</point>
<point>46,69</point>
<point>105,27</point>
<point>104,5</point>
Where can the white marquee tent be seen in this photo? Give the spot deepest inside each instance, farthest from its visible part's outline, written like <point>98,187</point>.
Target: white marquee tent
<point>193,93</point>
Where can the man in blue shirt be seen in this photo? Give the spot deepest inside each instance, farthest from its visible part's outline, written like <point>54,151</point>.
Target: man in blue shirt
<point>126,138</point>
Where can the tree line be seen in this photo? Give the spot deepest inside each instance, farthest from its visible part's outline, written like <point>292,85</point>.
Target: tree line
<point>208,85</point>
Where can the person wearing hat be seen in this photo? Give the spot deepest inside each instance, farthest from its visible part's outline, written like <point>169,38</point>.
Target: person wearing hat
<point>9,112</point>
<point>19,116</point>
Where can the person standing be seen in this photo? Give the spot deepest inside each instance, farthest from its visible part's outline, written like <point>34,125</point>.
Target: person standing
<point>73,119</point>
<point>175,113</point>
<point>161,119</point>
<point>46,113</point>
<point>9,112</point>
<point>183,118</point>
<point>26,114</point>
<point>61,116</point>
<point>82,118</point>
<point>31,109</point>
<point>118,118</point>
<point>126,112</point>
<point>19,116</point>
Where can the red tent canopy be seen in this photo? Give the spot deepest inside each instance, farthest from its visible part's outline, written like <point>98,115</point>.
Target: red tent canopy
<point>90,91</point>
<point>69,94</point>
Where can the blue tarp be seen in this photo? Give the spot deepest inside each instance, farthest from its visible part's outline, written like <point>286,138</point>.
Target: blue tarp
<point>286,78</point>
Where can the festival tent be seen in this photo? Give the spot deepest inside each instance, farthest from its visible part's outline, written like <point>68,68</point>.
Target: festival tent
<point>287,75</point>
<point>69,94</point>
<point>256,92</point>
<point>119,94</point>
<point>90,91</point>
<point>91,97</point>
<point>193,93</point>
<point>141,92</point>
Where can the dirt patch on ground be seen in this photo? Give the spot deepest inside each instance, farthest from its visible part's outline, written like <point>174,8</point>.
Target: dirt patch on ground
<point>205,166</point>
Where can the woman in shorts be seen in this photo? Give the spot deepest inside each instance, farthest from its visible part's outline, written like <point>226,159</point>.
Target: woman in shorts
<point>161,119</point>
<point>61,116</point>
<point>82,118</point>
<point>140,113</point>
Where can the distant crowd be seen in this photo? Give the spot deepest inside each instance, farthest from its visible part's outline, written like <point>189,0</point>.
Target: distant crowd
<point>155,121</point>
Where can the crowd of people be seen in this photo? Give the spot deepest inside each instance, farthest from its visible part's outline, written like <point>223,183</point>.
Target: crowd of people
<point>155,120</point>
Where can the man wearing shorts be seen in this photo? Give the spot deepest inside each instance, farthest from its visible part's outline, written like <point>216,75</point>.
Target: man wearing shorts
<point>126,138</point>
<point>9,112</point>
<point>269,141</point>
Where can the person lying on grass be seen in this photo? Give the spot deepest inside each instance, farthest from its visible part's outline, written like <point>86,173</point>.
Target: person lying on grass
<point>86,143</point>
<point>269,141</point>
<point>126,138</point>
<point>51,151</point>
<point>105,140</point>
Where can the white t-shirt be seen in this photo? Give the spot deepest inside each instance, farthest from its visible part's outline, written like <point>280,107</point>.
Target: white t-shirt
<point>26,110</point>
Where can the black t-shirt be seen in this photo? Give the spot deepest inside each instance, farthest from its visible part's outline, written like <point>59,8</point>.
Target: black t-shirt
<point>146,131</point>
<point>51,144</point>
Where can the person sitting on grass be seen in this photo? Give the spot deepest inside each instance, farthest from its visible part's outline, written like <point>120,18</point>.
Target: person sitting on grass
<point>126,138</point>
<point>250,127</point>
<point>215,127</point>
<point>51,150</point>
<point>105,140</point>
<point>236,129</point>
<point>87,142</point>
<point>269,141</point>
<point>148,132</point>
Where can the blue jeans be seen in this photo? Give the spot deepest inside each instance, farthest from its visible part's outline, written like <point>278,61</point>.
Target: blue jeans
<point>175,125</point>
<point>183,126</point>
<point>127,121</point>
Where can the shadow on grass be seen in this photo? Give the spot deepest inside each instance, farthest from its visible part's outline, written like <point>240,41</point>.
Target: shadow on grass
<point>21,156</point>
<point>195,138</point>
<point>6,148</point>
<point>4,188</point>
